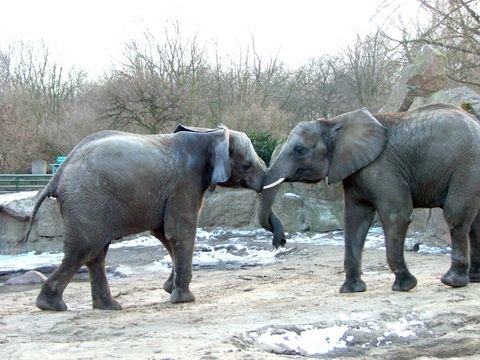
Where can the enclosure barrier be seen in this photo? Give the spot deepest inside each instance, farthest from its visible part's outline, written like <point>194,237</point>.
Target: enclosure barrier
<point>23,182</point>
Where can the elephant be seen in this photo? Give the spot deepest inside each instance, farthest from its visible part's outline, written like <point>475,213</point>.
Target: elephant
<point>114,184</point>
<point>389,163</point>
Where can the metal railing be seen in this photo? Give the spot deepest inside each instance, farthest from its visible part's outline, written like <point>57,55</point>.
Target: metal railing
<point>23,182</point>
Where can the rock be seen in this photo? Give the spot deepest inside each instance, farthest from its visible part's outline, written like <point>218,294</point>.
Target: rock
<point>458,96</point>
<point>426,75</point>
<point>229,208</point>
<point>47,231</point>
<point>310,207</point>
<point>302,207</point>
<point>29,278</point>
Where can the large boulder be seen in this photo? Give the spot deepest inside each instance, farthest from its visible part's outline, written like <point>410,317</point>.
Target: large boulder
<point>461,96</point>
<point>229,208</point>
<point>310,207</point>
<point>426,75</point>
<point>31,277</point>
<point>15,211</point>
<point>302,207</point>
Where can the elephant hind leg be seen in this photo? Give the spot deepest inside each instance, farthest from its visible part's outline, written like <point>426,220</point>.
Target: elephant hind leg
<point>396,215</point>
<point>160,235</point>
<point>460,217</point>
<point>101,296</point>
<point>474,272</point>
<point>51,294</point>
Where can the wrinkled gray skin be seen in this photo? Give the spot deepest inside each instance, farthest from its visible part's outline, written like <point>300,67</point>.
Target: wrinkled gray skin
<point>115,184</point>
<point>390,163</point>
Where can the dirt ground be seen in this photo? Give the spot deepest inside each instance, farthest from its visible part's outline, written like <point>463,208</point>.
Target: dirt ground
<point>233,305</point>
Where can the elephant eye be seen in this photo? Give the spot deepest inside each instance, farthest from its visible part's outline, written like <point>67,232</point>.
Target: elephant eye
<point>246,167</point>
<point>300,150</point>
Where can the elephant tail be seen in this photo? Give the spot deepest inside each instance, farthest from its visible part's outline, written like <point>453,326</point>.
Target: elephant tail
<point>49,190</point>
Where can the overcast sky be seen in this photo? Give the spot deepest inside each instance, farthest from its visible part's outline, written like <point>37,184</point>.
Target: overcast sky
<point>89,34</point>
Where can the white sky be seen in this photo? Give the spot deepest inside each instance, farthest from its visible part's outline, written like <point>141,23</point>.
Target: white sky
<point>88,34</point>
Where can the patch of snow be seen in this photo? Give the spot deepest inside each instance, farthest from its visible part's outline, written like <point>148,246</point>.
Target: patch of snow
<point>145,241</point>
<point>29,261</point>
<point>311,341</point>
<point>6,198</point>
<point>291,196</point>
<point>402,328</point>
<point>127,270</point>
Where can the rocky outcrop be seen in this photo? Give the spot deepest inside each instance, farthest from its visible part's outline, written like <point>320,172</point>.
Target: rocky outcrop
<point>302,207</point>
<point>425,76</point>
<point>461,96</point>
<point>15,211</point>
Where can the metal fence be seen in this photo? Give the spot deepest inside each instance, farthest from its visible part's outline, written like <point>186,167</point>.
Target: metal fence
<point>23,182</point>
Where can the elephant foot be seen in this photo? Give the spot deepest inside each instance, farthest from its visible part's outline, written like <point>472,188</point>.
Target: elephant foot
<point>350,286</point>
<point>404,282</point>
<point>112,304</point>
<point>44,302</point>
<point>181,296</point>
<point>454,279</point>
<point>168,286</point>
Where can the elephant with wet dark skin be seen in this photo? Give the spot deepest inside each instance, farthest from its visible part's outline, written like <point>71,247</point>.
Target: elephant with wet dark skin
<point>115,184</point>
<point>390,164</point>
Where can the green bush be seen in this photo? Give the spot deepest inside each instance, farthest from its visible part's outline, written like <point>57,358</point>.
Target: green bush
<point>264,143</point>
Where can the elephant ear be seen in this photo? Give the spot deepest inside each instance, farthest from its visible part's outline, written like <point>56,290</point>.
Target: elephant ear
<point>357,139</point>
<point>220,155</point>
<point>221,158</point>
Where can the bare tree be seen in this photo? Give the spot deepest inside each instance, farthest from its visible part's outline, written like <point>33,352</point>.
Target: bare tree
<point>370,68</point>
<point>452,26</point>
<point>157,84</point>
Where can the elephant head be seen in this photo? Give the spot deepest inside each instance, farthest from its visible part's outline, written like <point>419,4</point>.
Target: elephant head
<point>234,160</point>
<point>315,150</point>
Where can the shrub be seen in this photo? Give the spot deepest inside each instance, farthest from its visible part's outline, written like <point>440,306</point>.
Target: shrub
<point>264,143</point>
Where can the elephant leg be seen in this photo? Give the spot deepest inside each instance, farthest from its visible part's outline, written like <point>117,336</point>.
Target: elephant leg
<point>51,294</point>
<point>160,235</point>
<point>358,219</point>
<point>180,227</point>
<point>101,296</point>
<point>459,217</point>
<point>396,213</point>
<point>474,272</point>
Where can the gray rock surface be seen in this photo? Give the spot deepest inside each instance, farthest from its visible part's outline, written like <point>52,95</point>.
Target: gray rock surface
<point>426,75</point>
<point>457,96</point>
<point>29,278</point>
<point>15,210</point>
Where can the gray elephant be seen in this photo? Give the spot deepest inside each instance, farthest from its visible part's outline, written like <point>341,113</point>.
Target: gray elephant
<point>390,164</point>
<point>115,184</point>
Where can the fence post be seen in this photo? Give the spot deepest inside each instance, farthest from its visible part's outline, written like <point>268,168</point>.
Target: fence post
<point>17,183</point>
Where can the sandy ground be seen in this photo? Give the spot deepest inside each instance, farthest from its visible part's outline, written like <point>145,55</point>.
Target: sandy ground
<point>233,306</point>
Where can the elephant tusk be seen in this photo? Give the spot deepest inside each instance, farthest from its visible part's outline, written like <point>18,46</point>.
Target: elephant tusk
<point>279,181</point>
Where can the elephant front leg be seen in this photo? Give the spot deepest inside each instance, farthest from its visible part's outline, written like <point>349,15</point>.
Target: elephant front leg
<point>358,218</point>
<point>180,229</point>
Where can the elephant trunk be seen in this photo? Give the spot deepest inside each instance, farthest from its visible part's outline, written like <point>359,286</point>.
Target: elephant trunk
<point>266,216</point>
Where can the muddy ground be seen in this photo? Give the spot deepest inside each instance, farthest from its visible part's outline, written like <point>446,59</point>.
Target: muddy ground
<point>234,307</point>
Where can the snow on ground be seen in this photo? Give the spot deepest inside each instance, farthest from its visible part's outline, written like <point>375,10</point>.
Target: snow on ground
<point>218,247</point>
<point>312,340</point>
